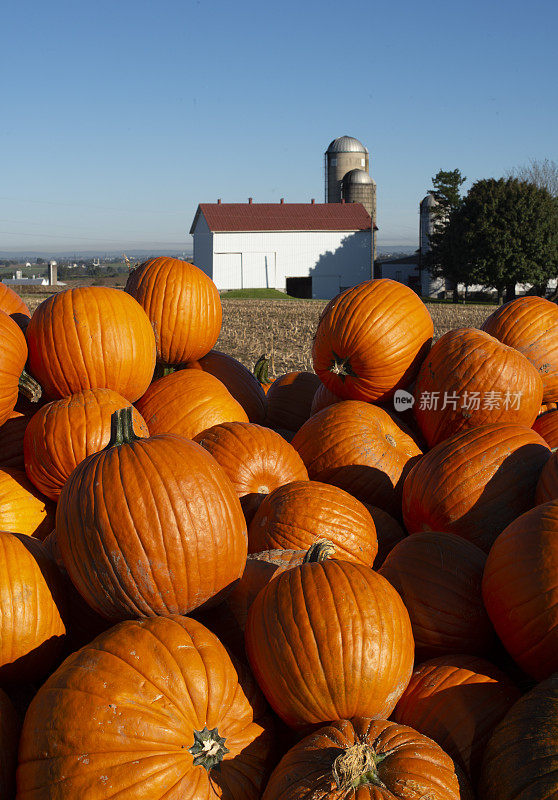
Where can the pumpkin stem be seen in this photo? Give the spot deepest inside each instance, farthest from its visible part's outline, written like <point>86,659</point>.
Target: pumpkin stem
<point>29,387</point>
<point>356,766</point>
<point>162,370</point>
<point>342,367</point>
<point>319,551</point>
<point>208,749</point>
<point>121,428</point>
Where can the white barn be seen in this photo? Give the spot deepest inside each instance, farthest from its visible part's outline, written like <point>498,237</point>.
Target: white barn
<point>306,249</point>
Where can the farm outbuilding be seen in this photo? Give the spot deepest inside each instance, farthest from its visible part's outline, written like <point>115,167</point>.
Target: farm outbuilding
<point>306,249</point>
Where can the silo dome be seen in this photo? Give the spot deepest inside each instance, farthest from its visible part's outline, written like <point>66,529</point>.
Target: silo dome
<point>355,176</point>
<point>346,144</point>
<point>429,201</point>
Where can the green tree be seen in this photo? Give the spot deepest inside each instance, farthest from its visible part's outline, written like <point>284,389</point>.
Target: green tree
<point>508,234</point>
<point>443,259</point>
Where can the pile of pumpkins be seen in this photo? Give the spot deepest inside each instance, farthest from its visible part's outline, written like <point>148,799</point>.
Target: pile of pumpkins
<point>337,584</point>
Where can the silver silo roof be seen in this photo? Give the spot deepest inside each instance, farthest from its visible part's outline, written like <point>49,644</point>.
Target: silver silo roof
<point>357,176</point>
<point>346,144</point>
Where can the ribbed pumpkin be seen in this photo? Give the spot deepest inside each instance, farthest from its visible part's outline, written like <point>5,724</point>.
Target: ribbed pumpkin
<point>31,627</point>
<point>530,324</point>
<point>64,432</point>
<point>457,701</point>
<point>150,526</point>
<point>469,379</point>
<point>22,508</point>
<point>298,514</point>
<point>371,340</point>
<point>364,759</point>
<point>187,403</point>
<point>256,459</point>
<point>547,487</point>
<point>520,589</point>
<point>91,337</point>
<point>475,483</point>
<point>151,709</point>
<point>439,577</point>
<point>329,640</point>
<point>360,448</point>
<point>388,533</point>
<point>323,398</point>
<point>12,304</point>
<point>11,440</point>
<point>521,758</point>
<point>183,306</point>
<point>289,400</point>
<point>241,383</point>
<point>13,355</point>
<point>9,740</point>
<point>547,427</point>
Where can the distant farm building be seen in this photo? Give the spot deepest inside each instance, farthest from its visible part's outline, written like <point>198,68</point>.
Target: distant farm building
<point>305,249</point>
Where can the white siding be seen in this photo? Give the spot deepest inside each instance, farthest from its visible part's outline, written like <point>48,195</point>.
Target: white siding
<point>227,270</point>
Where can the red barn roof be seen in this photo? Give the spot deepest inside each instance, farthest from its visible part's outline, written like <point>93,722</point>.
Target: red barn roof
<point>222,217</point>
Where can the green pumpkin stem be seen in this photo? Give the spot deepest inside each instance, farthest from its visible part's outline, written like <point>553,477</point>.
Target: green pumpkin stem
<point>319,551</point>
<point>357,766</point>
<point>208,749</point>
<point>29,387</point>
<point>122,428</point>
<point>162,370</point>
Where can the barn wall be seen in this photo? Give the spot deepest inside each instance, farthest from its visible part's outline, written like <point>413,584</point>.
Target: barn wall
<point>203,247</point>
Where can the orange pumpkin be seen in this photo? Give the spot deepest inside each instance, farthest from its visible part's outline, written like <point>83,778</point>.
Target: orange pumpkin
<point>371,340</point>
<point>31,626</point>
<point>457,701</point>
<point>11,440</point>
<point>547,427</point>
<point>183,306</point>
<point>91,337</point>
<point>520,589</point>
<point>547,487</point>
<point>360,448</point>
<point>12,304</point>
<point>439,577</point>
<point>289,400</point>
<point>323,398</point>
<point>256,459</point>
<point>161,711</point>
<point>388,533</point>
<point>470,379</point>
<point>22,508</point>
<point>188,402</point>
<point>150,526</point>
<point>329,640</point>
<point>298,514</point>
<point>365,759</point>
<point>240,382</point>
<point>64,432</point>
<point>475,483</point>
<point>13,355</point>
<point>530,325</point>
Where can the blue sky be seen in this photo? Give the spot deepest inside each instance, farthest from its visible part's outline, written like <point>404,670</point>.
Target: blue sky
<point>119,117</point>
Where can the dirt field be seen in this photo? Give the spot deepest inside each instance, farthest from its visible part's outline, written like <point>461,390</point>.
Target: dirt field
<point>284,329</point>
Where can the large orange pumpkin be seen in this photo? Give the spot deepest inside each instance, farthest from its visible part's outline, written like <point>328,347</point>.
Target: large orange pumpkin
<point>520,589</point>
<point>31,626</point>
<point>530,324</point>
<point>360,448</point>
<point>547,487</point>
<point>457,701</point>
<point>547,426</point>
<point>371,340</point>
<point>150,526</point>
<point>256,459</point>
<point>12,304</point>
<point>289,400</point>
<point>91,337</point>
<point>298,514</point>
<point>9,740</point>
<point>475,483</point>
<point>521,758</point>
<point>152,709</point>
<point>183,305</point>
<point>439,577</point>
<point>13,355</point>
<point>469,379</point>
<point>64,432</point>
<point>187,403</point>
<point>329,640</point>
<point>22,508</point>
<point>364,759</point>
<point>241,383</point>
<point>388,533</point>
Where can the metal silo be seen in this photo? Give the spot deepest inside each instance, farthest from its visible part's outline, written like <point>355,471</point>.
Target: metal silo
<point>343,154</point>
<point>358,187</point>
<point>426,224</point>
